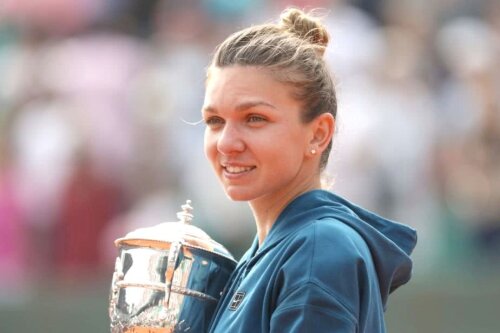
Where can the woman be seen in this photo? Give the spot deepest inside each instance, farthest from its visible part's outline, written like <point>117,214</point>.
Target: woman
<point>318,262</point>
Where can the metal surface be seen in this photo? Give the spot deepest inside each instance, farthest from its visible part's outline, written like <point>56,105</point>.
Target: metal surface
<point>168,278</point>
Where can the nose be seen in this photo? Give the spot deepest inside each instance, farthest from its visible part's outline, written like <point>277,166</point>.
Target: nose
<point>230,140</point>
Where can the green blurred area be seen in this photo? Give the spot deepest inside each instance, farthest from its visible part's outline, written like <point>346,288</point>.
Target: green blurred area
<point>459,302</point>
<point>451,303</point>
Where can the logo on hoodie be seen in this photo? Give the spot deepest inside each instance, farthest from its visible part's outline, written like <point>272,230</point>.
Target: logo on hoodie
<point>236,301</point>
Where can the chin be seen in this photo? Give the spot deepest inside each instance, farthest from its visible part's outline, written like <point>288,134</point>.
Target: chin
<point>236,195</point>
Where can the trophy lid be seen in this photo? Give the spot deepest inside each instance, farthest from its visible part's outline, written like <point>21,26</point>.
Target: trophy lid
<point>163,234</point>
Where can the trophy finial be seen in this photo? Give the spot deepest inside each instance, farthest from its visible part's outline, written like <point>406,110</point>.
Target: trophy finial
<point>185,215</point>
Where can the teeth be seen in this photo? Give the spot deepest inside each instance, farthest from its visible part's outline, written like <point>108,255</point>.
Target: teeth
<point>237,169</point>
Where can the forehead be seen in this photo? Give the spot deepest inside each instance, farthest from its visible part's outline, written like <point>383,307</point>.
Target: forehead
<point>231,85</point>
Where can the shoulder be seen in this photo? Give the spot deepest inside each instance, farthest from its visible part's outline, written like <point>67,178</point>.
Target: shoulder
<point>329,254</point>
<point>328,261</point>
<point>331,240</point>
<point>324,246</point>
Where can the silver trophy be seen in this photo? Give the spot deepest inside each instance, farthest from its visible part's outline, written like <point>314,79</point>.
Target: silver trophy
<point>168,278</point>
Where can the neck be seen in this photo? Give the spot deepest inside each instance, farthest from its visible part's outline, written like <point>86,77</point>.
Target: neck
<point>267,209</point>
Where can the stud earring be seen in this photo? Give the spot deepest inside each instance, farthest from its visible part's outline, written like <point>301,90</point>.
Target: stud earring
<point>313,151</point>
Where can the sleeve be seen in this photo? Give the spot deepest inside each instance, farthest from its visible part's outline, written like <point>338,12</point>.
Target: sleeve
<point>310,308</point>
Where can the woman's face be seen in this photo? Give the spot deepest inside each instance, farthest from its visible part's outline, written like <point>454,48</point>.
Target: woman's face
<point>254,137</point>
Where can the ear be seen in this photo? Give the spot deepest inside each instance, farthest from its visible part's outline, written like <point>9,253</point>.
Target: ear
<point>322,130</point>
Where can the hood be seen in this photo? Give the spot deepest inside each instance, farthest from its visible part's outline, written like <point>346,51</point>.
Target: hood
<point>390,243</point>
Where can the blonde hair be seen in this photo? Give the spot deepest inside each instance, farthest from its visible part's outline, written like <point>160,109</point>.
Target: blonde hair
<point>292,50</point>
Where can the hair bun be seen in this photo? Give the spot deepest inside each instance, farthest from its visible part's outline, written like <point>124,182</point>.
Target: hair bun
<point>305,26</point>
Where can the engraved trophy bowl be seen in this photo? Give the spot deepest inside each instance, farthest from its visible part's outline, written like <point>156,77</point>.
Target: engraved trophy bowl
<point>168,278</point>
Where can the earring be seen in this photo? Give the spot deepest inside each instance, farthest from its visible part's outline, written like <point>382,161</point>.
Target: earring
<point>313,151</point>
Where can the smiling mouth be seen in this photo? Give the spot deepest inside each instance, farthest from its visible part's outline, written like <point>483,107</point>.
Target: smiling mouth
<point>237,169</point>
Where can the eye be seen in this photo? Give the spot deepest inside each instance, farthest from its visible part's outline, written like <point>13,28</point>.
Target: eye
<point>253,118</point>
<point>214,121</point>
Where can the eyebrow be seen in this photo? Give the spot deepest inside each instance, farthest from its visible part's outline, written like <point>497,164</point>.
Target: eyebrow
<point>242,107</point>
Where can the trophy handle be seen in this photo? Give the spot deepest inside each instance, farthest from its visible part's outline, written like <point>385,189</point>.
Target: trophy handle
<point>172,261</point>
<point>117,277</point>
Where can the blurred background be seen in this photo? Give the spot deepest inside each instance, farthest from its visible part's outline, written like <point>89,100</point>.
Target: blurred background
<point>99,134</point>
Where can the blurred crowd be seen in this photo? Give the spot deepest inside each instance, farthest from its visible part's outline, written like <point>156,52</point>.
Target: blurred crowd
<point>100,127</point>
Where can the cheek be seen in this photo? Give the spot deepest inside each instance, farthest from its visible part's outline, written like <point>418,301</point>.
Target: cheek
<point>209,146</point>
<point>288,152</point>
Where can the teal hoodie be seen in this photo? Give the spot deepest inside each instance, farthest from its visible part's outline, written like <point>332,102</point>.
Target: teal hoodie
<point>326,265</point>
